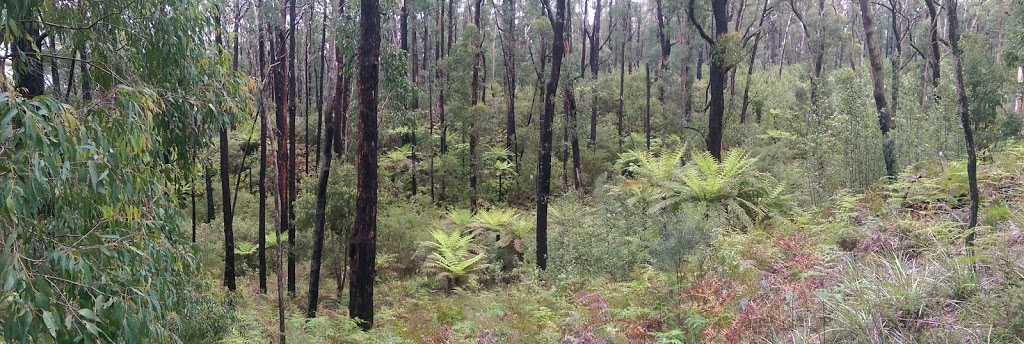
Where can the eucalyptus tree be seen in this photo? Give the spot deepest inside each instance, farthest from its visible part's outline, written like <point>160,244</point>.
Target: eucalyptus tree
<point>363,246</point>
<point>720,47</point>
<point>557,20</point>
<point>953,25</point>
<point>225,181</point>
<point>878,90</point>
<point>153,91</point>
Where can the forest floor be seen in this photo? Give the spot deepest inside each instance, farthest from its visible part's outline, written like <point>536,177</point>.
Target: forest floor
<point>888,264</point>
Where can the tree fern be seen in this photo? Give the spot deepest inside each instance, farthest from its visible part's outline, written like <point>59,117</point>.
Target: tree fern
<point>453,257</point>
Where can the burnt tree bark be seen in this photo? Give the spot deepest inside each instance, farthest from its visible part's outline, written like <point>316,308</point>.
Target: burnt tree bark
<point>719,74</point>
<point>363,247</point>
<point>225,182</point>
<point>557,20</point>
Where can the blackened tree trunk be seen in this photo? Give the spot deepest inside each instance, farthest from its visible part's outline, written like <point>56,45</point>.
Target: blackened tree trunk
<point>647,106</point>
<point>319,221</point>
<point>478,60</point>
<point>363,247</point>
<point>557,21</point>
<point>666,49</point>
<point>290,214</point>
<point>572,124</point>
<point>965,118</point>
<point>208,176</point>
<point>719,74</point>
<point>878,91</point>
<point>225,184</point>
<point>595,63</point>
<point>28,67</point>
<point>261,245</point>
<point>622,74</point>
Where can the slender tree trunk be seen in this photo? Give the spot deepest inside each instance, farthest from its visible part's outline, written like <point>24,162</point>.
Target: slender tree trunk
<point>546,123</point>
<point>192,180</point>
<point>306,85</point>
<point>750,64</point>
<point>208,176</point>
<point>933,30</point>
<point>666,49</point>
<point>685,82</point>
<point>262,231</point>
<point>319,222</point>
<point>363,247</point>
<point>320,87</point>
<point>574,137</point>
<point>276,180</point>
<point>54,72</point>
<point>478,60</point>
<point>225,185</point>
<point>595,63</point>
<point>87,77</point>
<point>281,88</point>
<point>965,118</point>
<point>290,214</point>
<point>622,76</point>
<point>647,106</point>
<point>510,46</point>
<point>884,116</point>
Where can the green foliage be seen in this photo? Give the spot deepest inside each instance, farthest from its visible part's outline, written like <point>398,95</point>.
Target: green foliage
<point>729,189</point>
<point>93,247</point>
<point>454,258</point>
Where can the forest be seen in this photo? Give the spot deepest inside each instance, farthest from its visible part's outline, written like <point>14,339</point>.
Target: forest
<point>511,171</point>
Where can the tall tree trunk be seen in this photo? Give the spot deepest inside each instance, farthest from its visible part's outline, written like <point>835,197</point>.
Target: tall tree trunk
<point>666,49</point>
<point>750,64</point>
<point>647,106</point>
<point>572,124</point>
<point>290,214</point>
<point>262,231</point>
<point>478,60</point>
<point>719,74</point>
<point>622,75</point>
<point>965,118</point>
<point>595,62</point>
<point>878,92</point>
<point>281,80</point>
<point>225,182</point>
<point>320,87</point>
<point>510,46</point>
<point>306,85</point>
<point>320,220</point>
<point>276,178</point>
<point>363,247</point>
<point>933,31</point>
<point>685,82</point>
<point>546,123</point>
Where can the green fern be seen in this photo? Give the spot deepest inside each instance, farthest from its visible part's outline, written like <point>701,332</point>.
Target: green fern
<point>453,258</point>
<point>460,217</point>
